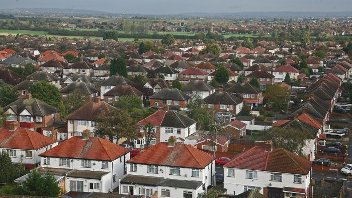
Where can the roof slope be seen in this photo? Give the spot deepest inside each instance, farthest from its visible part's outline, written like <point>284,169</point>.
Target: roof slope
<point>33,106</point>
<point>176,120</point>
<point>93,148</point>
<point>170,94</point>
<point>90,111</point>
<point>277,160</point>
<point>181,155</point>
<point>23,139</point>
<point>223,98</point>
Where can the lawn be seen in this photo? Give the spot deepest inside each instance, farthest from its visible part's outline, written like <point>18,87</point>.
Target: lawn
<point>14,32</point>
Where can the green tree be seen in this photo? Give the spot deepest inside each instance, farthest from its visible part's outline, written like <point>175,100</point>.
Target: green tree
<point>241,78</point>
<point>8,94</point>
<point>212,48</point>
<point>202,115</point>
<point>24,71</point>
<point>143,48</point>
<point>287,78</point>
<point>38,184</point>
<point>320,53</point>
<point>222,75</point>
<point>289,139</point>
<point>46,92</point>
<point>9,171</point>
<point>116,124</point>
<point>69,58</point>
<point>118,66</point>
<point>168,39</point>
<point>134,106</point>
<point>348,49</point>
<point>254,81</point>
<point>277,97</point>
<point>176,84</point>
<point>238,62</point>
<point>71,103</point>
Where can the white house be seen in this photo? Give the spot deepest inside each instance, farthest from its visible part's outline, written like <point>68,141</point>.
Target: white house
<point>164,125</point>
<point>110,83</point>
<point>275,173</point>
<point>169,170</point>
<point>198,88</point>
<point>24,146</point>
<point>85,118</point>
<point>93,164</point>
<point>281,72</point>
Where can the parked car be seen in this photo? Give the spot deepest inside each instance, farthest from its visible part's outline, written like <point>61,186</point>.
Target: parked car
<point>347,170</point>
<point>322,161</point>
<point>332,150</point>
<point>222,160</point>
<point>338,145</point>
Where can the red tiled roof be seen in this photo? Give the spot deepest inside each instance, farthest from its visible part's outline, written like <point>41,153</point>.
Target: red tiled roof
<point>180,155</point>
<point>74,53</point>
<point>238,124</point>
<point>100,61</point>
<point>309,120</point>
<point>193,71</point>
<point>23,139</point>
<point>277,160</point>
<point>50,55</point>
<point>9,51</point>
<point>155,119</point>
<point>286,69</point>
<point>243,50</point>
<point>280,123</point>
<point>93,148</point>
<point>205,66</point>
<point>90,111</point>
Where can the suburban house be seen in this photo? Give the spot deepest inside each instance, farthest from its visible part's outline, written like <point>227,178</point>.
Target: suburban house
<point>169,98</point>
<point>24,146</point>
<point>85,89</point>
<point>236,128</point>
<point>136,70</point>
<point>85,118</point>
<point>110,83</point>
<point>156,84</point>
<point>31,113</point>
<point>50,55</point>
<point>251,95</point>
<point>275,173</point>
<point>90,164</point>
<point>192,73</point>
<point>169,170</point>
<point>121,90</point>
<point>222,101</point>
<point>53,66</point>
<point>264,78</point>
<point>81,68</point>
<point>164,124</point>
<point>206,66</point>
<point>281,72</point>
<point>167,73</point>
<point>198,88</point>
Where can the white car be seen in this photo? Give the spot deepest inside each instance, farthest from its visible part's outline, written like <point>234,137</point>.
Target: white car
<point>347,170</point>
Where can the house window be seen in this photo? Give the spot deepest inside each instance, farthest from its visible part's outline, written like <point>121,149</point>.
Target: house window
<point>187,194</point>
<point>64,162</point>
<point>25,119</point>
<point>210,106</point>
<point>247,188</point>
<point>179,131</point>
<point>175,171</point>
<point>38,119</point>
<point>223,107</point>
<point>12,153</point>
<point>86,163</point>
<point>251,174</point>
<point>82,122</point>
<point>29,154</point>
<point>277,177</point>
<point>11,118</point>
<point>92,124</point>
<point>169,102</point>
<point>114,178</point>
<point>125,189</point>
<point>165,193</point>
<point>94,186</point>
<point>104,165</point>
<point>195,172</point>
<point>152,169</point>
<point>153,141</point>
<point>156,104</point>
<point>169,130</point>
<point>231,172</point>
<point>76,186</point>
<point>46,161</point>
<point>297,179</point>
<point>148,192</point>
<point>133,167</point>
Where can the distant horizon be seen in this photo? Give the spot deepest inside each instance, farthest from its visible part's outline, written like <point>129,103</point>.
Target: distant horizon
<point>172,7</point>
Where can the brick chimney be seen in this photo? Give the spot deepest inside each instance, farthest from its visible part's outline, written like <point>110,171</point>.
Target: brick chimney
<point>171,141</point>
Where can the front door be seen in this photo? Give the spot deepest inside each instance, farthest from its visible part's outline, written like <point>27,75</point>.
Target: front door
<point>131,190</point>
<point>275,193</point>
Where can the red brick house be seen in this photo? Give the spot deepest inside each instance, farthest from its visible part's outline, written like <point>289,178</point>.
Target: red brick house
<point>169,98</point>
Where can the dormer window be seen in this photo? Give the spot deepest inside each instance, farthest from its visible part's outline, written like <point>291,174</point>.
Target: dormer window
<point>11,117</point>
<point>38,119</point>
<point>25,118</point>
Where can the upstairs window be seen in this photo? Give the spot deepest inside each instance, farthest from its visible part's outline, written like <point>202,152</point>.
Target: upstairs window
<point>152,169</point>
<point>86,163</point>
<point>277,177</point>
<point>251,174</point>
<point>297,179</point>
<point>175,171</point>
<point>104,165</point>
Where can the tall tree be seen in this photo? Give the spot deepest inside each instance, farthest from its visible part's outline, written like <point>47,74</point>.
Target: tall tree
<point>254,81</point>
<point>7,94</point>
<point>113,67</point>
<point>38,184</point>
<point>222,75</point>
<point>46,92</point>
<point>116,124</point>
<point>277,97</point>
<point>176,84</point>
<point>121,66</point>
<point>202,115</point>
<point>71,103</point>
<point>134,106</point>
<point>287,78</point>
<point>168,39</point>
<point>8,170</point>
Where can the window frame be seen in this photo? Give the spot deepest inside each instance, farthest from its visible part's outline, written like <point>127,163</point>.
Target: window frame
<point>152,169</point>
<point>232,171</point>
<point>167,191</point>
<point>174,170</point>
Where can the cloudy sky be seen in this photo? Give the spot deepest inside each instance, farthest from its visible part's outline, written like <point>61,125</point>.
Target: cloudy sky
<point>185,6</point>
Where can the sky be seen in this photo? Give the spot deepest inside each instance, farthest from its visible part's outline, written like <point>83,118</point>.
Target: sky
<point>185,6</point>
